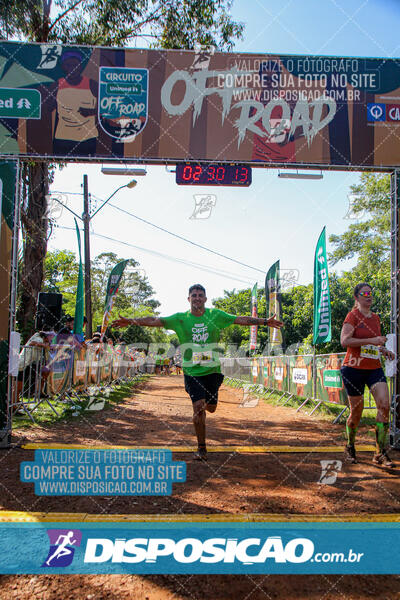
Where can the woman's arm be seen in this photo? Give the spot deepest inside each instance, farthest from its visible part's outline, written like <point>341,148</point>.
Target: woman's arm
<point>347,340</point>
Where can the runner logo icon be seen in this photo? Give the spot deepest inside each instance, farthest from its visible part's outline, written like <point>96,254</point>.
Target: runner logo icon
<point>376,111</point>
<point>61,551</point>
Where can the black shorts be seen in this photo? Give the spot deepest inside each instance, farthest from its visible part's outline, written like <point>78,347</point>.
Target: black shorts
<point>204,387</point>
<point>354,380</point>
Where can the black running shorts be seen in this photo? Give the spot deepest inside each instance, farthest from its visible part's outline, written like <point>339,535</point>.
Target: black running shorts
<point>204,387</point>
<point>355,380</point>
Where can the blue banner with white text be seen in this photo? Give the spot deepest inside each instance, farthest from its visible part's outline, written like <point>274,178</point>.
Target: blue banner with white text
<point>200,547</point>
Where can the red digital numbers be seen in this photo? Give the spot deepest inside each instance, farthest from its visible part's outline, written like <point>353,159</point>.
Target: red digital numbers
<point>197,172</point>
<point>220,173</point>
<point>241,174</point>
<point>187,173</point>
<point>213,174</point>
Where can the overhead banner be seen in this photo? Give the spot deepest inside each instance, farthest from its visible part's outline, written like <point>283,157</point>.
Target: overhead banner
<point>176,105</point>
<point>322,330</point>
<point>273,303</point>
<point>253,328</point>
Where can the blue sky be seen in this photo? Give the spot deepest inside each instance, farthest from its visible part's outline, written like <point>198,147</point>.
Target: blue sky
<point>274,218</point>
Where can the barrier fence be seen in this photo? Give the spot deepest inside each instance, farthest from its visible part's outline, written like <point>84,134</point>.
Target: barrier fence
<point>65,373</point>
<point>314,378</point>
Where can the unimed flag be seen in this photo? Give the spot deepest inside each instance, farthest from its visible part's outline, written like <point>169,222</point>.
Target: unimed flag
<point>253,329</point>
<point>273,302</point>
<point>322,302</point>
<point>112,289</point>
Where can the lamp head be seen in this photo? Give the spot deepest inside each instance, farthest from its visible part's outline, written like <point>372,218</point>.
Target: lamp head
<point>131,184</point>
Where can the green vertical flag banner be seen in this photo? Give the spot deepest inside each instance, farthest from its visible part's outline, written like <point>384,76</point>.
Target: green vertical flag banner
<point>112,289</point>
<point>80,294</point>
<point>253,328</point>
<point>8,179</point>
<point>273,302</point>
<point>322,302</point>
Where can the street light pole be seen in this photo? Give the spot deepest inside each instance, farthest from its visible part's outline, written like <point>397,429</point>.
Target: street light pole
<point>88,284</point>
<point>86,218</point>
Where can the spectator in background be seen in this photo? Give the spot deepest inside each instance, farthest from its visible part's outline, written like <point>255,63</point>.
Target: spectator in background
<point>67,329</point>
<point>32,357</point>
<point>66,335</point>
<point>96,339</point>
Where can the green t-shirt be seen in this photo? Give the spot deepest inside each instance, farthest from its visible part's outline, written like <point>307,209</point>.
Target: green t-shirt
<point>198,338</point>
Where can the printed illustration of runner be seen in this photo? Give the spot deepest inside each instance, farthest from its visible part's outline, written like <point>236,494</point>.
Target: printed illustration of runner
<point>62,542</point>
<point>198,331</point>
<point>74,100</point>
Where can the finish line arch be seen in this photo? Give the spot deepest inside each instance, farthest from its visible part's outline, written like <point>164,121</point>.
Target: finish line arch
<point>132,106</point>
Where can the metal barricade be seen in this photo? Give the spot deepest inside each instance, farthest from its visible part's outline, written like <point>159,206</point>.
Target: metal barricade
<point>64,373</point>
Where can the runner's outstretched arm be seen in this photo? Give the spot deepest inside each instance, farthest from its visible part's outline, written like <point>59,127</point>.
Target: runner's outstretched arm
<point>141,321</point>
<point>271,322</point>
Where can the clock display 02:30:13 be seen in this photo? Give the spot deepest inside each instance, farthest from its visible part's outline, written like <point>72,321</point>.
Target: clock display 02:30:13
<point>213,174</point>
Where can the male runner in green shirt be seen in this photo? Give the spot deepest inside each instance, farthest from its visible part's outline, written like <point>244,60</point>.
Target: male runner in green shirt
<point>198,331</point>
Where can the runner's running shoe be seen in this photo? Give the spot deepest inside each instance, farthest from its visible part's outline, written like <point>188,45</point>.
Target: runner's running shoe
<point>201,453</point>
<point>383,459</point>
<point>350,453</point>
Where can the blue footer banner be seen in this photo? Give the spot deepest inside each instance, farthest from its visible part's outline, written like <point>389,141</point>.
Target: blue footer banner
<point>200,547</point>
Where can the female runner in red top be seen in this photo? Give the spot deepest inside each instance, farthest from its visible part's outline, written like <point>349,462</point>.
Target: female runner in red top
<point>361,335</point>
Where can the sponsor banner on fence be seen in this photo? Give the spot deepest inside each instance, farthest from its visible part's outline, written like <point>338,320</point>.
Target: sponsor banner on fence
<point>228,548</point>
<point>280,373</point>
<point>255,369</point>
<point>158,105</point>
<point>79,376</point>
<point>329,385</point>
<point>268,373</point>
<point>295,374</point>
<point>301,376</point>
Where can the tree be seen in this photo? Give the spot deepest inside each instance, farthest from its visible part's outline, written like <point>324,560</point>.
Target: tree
<point>135,294</point>
<point>368,240</point>
<point>166,23</point>
<point>297,315</point>
<point>61,277</point>
<point>239,303</point>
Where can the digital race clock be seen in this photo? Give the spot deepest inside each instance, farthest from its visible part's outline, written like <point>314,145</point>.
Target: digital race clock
<point>213,174</point>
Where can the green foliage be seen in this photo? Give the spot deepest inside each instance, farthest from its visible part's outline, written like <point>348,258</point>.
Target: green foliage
<point>180,24</point>
<point>61,276</point>
<point>134,298</point>
<point>239,303</point>
<point>297,315</point>
<point>368,239</point>
<point>165,23</point>
<point>134,291</point>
